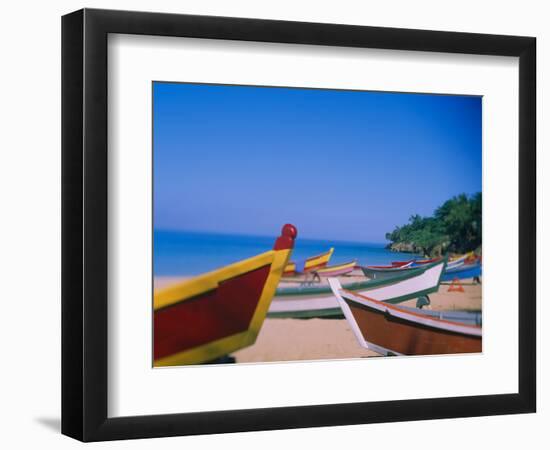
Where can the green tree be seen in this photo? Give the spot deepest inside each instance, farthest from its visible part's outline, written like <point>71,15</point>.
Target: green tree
<point>461,219</point>
<point>455,226</point>
<point>428,235</point>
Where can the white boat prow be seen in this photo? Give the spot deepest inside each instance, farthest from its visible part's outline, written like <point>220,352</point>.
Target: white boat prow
<point>335,286</point>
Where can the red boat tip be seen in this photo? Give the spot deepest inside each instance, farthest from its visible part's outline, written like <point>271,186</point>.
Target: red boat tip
<point>290,231</point>
<point>286,240</point>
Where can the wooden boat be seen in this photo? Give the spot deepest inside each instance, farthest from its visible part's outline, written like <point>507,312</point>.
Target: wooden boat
<point>455,265</point>
<point>337,269</point>
<point>462,272</point>
<point>413,263</point>
<point>395,265</point>
<point>319,301</point>
<point>216,313</point>
<point>399,264</point>
<point>453,262</point>
<point>380,272</point>
<point>459,260</point>
<point>426,261</point>
<point>461,257</point>
<point>311,263</point>
<point>420,262</point>
<point>398,330</point>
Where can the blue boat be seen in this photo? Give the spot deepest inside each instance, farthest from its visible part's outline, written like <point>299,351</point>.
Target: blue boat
<point>462,272</point>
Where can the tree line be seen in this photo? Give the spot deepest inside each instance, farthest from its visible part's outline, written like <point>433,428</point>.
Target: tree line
<point>455,226</point>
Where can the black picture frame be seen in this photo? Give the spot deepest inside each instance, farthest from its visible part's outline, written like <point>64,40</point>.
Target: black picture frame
<point>84,224</point>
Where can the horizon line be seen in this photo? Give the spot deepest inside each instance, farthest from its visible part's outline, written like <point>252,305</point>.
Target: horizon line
<point>233,233</point>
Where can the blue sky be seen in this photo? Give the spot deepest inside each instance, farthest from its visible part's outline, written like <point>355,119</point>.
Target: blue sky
<point>340,165</point>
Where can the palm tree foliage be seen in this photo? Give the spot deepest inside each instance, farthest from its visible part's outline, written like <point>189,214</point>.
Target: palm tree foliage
<point>455,226</point>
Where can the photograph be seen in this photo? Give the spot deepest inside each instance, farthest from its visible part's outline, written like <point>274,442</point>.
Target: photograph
<point>302,224</point>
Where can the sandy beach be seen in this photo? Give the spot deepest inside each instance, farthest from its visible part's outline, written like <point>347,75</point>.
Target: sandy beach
<point>314,339</point>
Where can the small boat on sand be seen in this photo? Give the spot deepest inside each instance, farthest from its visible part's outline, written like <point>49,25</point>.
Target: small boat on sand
<point>419,262</point>
<point>384,272</point>
<point>336,270</point>
<point>399,264</point>
<point>462,272</point>
<point>467,258</point>
<point>398,330</point>
<point>211,315</point>
<point>453,262</point>
<point>311,263</point>
<point>394,265</point>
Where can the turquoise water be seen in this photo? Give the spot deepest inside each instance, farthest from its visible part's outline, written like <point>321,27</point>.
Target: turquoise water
<point>191,253</point>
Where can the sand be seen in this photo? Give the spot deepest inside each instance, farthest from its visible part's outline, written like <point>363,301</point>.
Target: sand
<point>295,340</point>
<point>313,339</point>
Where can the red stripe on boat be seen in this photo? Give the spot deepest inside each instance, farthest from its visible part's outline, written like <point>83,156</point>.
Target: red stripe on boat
<point>394,264</point>
<point>213,315</point>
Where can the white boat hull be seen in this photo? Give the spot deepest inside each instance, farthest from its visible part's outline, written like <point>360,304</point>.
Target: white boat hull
<point>326,303</point>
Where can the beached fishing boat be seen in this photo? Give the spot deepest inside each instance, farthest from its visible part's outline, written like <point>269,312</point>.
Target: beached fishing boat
<point>311,263</point>
<point>426,261</point>
<point>319,301</point>
<point>383,272</point>
<point>336,270</point>
<point>400,263</point>
<point>453,262</point>
<point>216,313</point>
<point>420,262</point>
<point>455,265</point>
<point>398,330</point>
<point>394,265</point>
<point>463,259</point>
<point>462,272</point>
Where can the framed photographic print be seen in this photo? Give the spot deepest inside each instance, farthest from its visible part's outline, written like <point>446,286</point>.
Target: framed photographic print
<point>273,224</point>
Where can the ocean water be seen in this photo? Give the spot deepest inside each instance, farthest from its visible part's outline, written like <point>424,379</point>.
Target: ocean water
<point>179,253</point>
